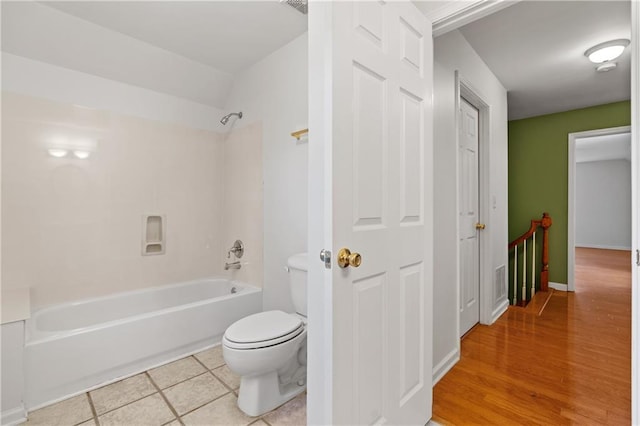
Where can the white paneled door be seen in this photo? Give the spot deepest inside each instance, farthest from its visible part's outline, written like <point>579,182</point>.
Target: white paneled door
<point>381,207</point>
<point>468,219</point>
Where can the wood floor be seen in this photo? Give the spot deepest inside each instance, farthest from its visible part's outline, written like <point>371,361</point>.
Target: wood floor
<point>571,365</point>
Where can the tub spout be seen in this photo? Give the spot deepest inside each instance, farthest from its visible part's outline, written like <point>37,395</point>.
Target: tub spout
<point>232,265</point>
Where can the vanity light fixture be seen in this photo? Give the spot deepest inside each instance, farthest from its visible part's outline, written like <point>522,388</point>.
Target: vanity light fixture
<point>605,53</point>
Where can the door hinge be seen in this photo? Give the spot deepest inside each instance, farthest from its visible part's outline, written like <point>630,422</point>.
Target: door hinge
<point>637,257</point>
<point>325,256</point>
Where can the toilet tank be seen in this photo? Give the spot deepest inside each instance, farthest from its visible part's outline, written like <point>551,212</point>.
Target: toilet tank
<point>298,265</point>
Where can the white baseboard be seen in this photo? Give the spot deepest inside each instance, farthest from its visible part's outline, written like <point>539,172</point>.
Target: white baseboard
<point>14,416</point>
<point>445,365</point>
<point>558,286</point>
<point>595,246</point>
<point>501,309</point>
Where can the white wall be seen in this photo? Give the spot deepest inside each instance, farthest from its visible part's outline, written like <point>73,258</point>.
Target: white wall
<point>603,204</point>
<point>12,409</point>
<point>37,31</point>
<point>453,52</point>
<point>39,79</point>
<point>243,200</point>
<point>274,92</point>
<point>73,228</point>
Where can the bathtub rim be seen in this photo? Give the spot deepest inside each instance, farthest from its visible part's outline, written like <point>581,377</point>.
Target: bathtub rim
<point>33,336</point>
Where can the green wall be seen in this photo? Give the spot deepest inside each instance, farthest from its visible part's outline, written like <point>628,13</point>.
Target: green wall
<point>538,171</point>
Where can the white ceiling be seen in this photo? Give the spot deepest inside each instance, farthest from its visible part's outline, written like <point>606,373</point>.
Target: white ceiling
<point>192,50</point>
<point>602,148</point>
<point>226,35</point>
<point>536,49</point>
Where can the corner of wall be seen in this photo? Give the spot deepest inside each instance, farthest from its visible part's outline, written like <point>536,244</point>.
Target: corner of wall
<point>446,364</point>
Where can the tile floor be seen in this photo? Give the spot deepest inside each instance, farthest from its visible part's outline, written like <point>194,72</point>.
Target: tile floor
<point>196,390</point>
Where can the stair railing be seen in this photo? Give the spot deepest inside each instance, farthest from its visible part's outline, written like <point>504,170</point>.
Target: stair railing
<point>528,286</point>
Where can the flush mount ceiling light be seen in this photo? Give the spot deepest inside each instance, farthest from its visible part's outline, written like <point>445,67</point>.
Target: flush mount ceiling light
<point>607,51</point>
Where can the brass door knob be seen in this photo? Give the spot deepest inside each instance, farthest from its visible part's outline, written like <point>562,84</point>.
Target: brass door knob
<point>480,226</point>
<point>346,258</point>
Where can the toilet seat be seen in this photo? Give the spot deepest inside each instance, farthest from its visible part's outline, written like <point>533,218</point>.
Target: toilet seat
<point>262,330</point>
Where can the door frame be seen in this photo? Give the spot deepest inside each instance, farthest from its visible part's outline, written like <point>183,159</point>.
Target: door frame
<point>571,199</point>
<point>464,89</point>
<point>635,211</point>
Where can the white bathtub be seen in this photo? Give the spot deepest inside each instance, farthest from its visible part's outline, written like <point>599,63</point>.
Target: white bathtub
<point>77,346</point>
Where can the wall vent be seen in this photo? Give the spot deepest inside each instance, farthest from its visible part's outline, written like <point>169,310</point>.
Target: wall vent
<point>500,288</point>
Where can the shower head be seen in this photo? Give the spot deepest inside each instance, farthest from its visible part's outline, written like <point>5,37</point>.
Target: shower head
<point>225,119</point>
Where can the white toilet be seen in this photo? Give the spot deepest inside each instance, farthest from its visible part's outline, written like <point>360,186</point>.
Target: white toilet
<point>269,350</point>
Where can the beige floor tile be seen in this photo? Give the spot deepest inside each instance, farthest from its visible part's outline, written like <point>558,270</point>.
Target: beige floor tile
<point>68,412</point>
<point>222,411</point>
<point>175,372</point>
<point>151,410</point>
<point>194,392</point>
<point>88,423</point>
<point>292,413</point>
<point>259,423</point>
<point>174,423</point>
<point>212,358</point>
<point>121,393</point>
<point>228,377</point>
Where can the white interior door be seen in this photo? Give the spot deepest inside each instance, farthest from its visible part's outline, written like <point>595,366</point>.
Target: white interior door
<point>468,205</point>
<point>375,124</point>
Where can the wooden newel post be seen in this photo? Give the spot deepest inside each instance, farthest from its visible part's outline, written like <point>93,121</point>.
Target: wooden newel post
<point>545,223</point>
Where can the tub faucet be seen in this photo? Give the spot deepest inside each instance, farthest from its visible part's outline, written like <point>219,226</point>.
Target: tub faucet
<point>237,249</point>
<point>232,265</point>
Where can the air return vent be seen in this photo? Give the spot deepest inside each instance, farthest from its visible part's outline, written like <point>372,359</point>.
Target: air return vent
<point>499,288</point>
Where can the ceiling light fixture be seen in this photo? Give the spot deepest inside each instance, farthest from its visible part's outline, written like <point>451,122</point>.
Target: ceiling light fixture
<point>607,51</point>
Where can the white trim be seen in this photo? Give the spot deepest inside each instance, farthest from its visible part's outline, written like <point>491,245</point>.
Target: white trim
<point>319,289</point>
<point>501,309</point>
<point>445,365</point>
<point>635,212</point>
<point>14,416</point>
<point>558,286</point>
<point>454,14</point>
<point>571,194</point>
<point>596,246</point>
<point>465,90</point>
<point>457,202</point>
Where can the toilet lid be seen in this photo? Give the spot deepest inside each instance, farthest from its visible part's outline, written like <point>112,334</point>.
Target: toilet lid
<point>264,327</point>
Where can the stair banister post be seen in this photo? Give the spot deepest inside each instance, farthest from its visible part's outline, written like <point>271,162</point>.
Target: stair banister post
<point>545,223</point>
<point>533,265</point>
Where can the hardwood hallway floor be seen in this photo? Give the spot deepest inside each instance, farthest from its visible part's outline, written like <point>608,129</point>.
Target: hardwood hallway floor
<point>572,364</point>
